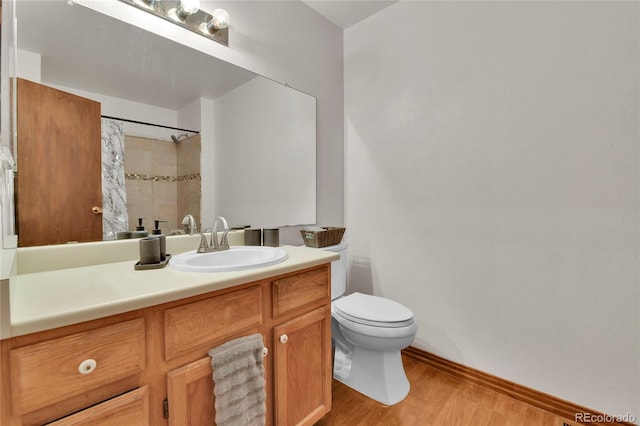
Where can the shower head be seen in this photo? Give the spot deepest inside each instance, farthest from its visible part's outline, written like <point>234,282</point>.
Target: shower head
<point>179,138</point>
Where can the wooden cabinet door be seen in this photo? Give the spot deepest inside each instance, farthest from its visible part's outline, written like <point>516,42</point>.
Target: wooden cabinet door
<point>59,177</point>
<point>190,394</point>
<point>131,408</point>
<point>302,368</point>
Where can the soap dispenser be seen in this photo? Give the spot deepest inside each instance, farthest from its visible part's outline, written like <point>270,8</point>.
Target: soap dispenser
<point>139,232</point>
<point>157,232</point>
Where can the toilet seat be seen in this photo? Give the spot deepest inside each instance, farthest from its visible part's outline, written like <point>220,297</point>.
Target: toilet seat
<point>373,311</point>
<point>376,331</point>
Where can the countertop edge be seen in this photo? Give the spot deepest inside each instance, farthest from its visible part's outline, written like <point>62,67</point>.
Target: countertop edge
<point>194,287</point>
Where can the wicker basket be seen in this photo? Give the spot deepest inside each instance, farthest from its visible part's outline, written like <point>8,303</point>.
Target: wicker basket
<point>329,236</point>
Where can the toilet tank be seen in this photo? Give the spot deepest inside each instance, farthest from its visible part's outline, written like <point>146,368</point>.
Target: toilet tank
<point>338,270</point>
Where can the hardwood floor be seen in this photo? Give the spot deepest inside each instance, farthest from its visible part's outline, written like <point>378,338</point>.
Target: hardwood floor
<point>436,399</point>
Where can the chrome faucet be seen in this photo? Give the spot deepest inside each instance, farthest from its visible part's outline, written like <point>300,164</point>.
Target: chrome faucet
<point>189,224</point>
<point>215,245</point>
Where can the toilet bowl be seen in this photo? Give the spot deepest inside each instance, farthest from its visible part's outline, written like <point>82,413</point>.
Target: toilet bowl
<point>368,332</point>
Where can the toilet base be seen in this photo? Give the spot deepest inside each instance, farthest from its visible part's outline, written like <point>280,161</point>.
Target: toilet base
<point>376,374</point>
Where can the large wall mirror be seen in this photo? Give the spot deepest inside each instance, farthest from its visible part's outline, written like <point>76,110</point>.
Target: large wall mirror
<point>182,132</point>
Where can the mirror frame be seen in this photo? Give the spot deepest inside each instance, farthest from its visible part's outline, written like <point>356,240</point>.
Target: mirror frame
<point>8,120</point>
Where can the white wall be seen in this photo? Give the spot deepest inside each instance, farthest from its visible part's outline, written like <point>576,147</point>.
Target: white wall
<point>492,184</point>
<point>123,108</point>
<point>291,43</point>
<point>264,173</point>
<point>30,68</point>
<point>29,65</point>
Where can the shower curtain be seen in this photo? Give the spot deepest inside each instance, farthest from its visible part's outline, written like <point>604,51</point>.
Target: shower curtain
<point>114,197</point>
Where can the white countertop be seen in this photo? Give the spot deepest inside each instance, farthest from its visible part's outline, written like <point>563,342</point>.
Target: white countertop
<point>45,300</point>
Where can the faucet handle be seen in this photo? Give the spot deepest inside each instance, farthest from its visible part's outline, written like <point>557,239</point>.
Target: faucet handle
<point>204,245</point>
<point>202,248</point>
<point>224,243</point>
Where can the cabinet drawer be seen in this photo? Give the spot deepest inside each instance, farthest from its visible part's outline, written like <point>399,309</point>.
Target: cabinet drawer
<point>210,320</point>
<point>131,408</point>
<point>52,371</point>
<point>292,292</point>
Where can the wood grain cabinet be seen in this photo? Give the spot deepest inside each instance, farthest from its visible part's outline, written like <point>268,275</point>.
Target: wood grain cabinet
<point>296,328</point>
<point>131,408</point>
<point>190,391</point>
<point>302,347</point>
<point>151,366</point>
<point>75,364</point>
<point>302,368</point>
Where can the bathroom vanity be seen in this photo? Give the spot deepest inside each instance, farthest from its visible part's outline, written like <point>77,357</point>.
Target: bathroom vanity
<point>146,363</point>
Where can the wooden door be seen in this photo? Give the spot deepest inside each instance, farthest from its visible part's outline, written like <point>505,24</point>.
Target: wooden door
<point>302,368</point>
<point>190,394</point>
<point>59,177</point>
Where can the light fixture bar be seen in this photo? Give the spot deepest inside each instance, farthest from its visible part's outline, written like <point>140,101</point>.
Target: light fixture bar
<point>173,11</point>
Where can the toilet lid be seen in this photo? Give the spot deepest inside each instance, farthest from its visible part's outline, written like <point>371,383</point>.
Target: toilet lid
<point>373,310</point>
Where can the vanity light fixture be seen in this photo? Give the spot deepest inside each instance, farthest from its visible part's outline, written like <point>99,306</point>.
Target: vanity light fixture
<point>187,14</point>
<point>147,4</point>
<point>184,9</point>
<point>219,21</point>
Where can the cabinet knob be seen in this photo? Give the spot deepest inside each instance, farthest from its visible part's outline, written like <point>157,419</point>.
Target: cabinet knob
<point>265,352</point>
<point>96,210</point>
<point>284,338</point>
<point>87,366</point>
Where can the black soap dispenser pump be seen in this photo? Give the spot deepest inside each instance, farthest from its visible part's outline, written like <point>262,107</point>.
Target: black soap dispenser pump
<point>139,232</point>
<point>157,232</point>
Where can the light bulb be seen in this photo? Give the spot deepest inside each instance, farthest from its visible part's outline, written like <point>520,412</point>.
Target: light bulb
<point>182,12</point>
<point>190,6</point>
<point>219,20</point>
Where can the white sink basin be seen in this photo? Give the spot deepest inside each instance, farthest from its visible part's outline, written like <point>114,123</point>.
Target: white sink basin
<point>237,258</point>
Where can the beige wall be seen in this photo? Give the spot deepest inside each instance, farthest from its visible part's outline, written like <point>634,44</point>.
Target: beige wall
<point>189,188</point>
<point>161,188</point>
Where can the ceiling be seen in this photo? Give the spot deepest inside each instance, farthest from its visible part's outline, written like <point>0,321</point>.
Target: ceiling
<point>86,50</point>
<point>345,13</point>
<point>90,51</point>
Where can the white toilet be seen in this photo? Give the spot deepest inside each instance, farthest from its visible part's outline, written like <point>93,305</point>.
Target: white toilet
<point>368,333</point>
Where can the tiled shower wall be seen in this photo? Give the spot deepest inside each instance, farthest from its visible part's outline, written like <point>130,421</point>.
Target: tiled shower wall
<point>189,187</point>
<point>162,181</point>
